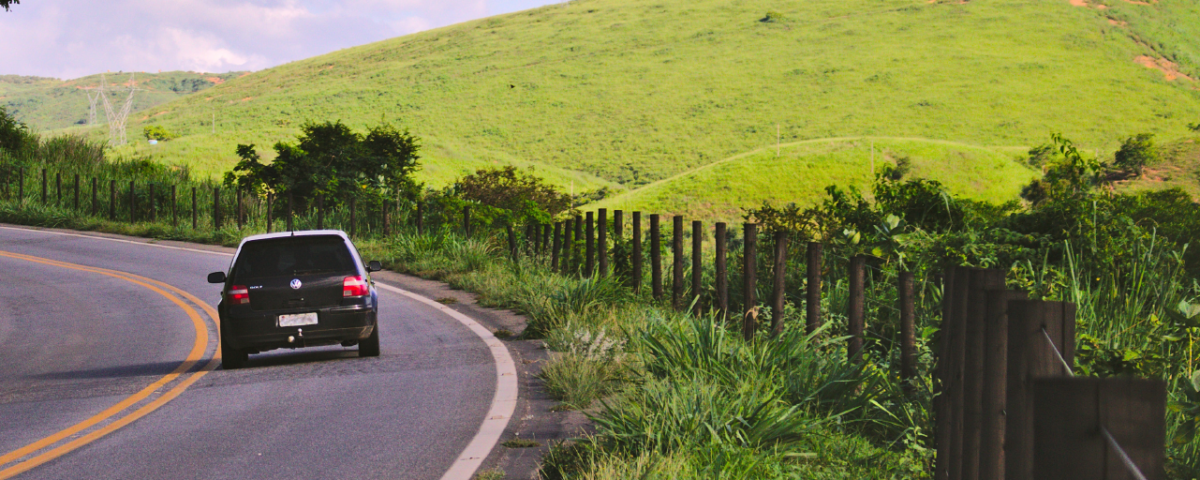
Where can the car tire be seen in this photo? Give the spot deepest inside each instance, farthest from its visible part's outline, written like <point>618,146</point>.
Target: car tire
<point>369,347</point>
<point>232,358</point>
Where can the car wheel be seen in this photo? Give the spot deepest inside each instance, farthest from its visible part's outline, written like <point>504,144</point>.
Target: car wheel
<point>232,358</point>
<point>370,346</point>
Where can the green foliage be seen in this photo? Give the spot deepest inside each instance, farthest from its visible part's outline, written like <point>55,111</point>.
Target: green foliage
<point>1136,152</point>
<point>526,196</point>
<point>14,135</point>
<point>772,16</point>
<point>1070,176</point>
<point>158,132</point>
<point>331,159</point>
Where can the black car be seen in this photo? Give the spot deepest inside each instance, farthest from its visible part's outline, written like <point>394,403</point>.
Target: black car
<point>293,290</point>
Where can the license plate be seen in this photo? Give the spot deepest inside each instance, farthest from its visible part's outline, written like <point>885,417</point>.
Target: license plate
<point>298,319</point>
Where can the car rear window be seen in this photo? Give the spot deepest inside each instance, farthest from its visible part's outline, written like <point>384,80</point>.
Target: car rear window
<point>293,256</point>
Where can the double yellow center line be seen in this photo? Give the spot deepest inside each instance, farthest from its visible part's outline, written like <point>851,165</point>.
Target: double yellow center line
<point>60,443</point>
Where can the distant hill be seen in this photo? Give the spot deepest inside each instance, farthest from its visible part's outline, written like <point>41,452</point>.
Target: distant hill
<point>631,92</point>
<point>50,103</point>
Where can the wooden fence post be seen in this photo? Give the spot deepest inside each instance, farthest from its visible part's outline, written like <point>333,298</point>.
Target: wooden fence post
<point>908,337</point>
<point>320,211</point>
<point>238,207</point>
<point>174,208</point>
<point>1072,415</point>
<point>112,200</point>
<point>619,261</point>
<point>1030,357</point>
<point>749,281</point>
<point>291,203</point>
<point>602,242</point>
<point>76,192</point>
<point>557,246</point>
<point>132,203</point>
<point>216,208</point>
<point>577,253</point>
<point>353,216</point>
<point>270,213</point>
<point>949,370</point>
<point>512,241</point>
<point>854,307</point>
<point>420,217</point>
<point>590,270</point>
<point>656,279</point>
<point>812,291</point>
<point>995,381</point>
<point>195,212</point>
<point>721,272</point>
<point>466,227</point>
<point>697,265</point>
<point>778,295</point>
<point>636,233</point>
<point>568,245</point>
<point>982,281</point>
<point>677,262</point>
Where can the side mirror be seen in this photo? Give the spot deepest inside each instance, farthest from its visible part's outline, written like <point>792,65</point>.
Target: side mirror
<point>216,277</point>
<point>374,266</point>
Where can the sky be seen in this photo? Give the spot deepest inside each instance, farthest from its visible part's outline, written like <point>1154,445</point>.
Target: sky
<point>74,38</point>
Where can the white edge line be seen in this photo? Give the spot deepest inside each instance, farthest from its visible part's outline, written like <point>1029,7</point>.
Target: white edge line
<point>504,402</point>
<point>118,240</point>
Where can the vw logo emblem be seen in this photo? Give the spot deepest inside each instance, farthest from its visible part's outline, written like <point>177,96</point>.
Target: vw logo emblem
<point>296,284</point>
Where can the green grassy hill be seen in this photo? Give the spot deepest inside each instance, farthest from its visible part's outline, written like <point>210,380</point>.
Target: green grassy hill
<point>52,104</point>
<point>800,171</point>
<point>631,92</point>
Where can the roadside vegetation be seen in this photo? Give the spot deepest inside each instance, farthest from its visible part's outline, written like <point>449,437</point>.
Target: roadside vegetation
<point>678,395</point>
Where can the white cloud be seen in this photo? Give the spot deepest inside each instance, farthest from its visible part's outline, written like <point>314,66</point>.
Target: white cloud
<point>72,38</point>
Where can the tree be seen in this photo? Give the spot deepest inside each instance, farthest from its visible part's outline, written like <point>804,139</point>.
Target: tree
<point>7,3</point>
<point>1136,152</point>
<point>522,194</point>
<point>158,132</point>
<point>14,135</point>
<point>331,159</point>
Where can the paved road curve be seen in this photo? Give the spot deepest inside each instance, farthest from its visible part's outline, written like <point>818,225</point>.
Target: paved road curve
<point>75,342</point>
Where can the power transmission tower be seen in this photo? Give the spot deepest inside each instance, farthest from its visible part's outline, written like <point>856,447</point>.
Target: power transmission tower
<point>116,121</point>
<point>92,99</point>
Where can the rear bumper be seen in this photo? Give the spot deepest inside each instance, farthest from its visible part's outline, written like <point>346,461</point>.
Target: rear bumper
<point>253,330</point>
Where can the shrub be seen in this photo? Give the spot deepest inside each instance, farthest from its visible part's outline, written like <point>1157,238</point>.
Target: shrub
<point>158,132</point>
<point>1136,152</point>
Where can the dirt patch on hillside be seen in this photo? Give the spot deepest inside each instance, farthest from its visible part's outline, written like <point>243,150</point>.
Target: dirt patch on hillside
<point>1169,69</point>
<point>215,80</point>
<point>1119,23</point>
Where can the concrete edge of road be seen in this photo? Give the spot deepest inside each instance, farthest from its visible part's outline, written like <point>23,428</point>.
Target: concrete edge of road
<point>507,392</point>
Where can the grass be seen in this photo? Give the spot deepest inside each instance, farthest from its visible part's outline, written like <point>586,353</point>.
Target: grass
<point>520,443</point>
<point>634,91</point>
<point>802,170</point>
<point>51,104</point>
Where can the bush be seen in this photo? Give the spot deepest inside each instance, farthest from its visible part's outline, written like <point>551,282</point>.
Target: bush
<point>158,132</point>
<point>1136,152</point>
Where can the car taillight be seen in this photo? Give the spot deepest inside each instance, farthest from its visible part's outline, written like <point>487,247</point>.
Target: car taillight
<point>354,286</point>
<point>239,295</point>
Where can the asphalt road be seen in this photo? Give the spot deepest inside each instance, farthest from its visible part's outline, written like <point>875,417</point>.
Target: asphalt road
<point>74,343</point>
